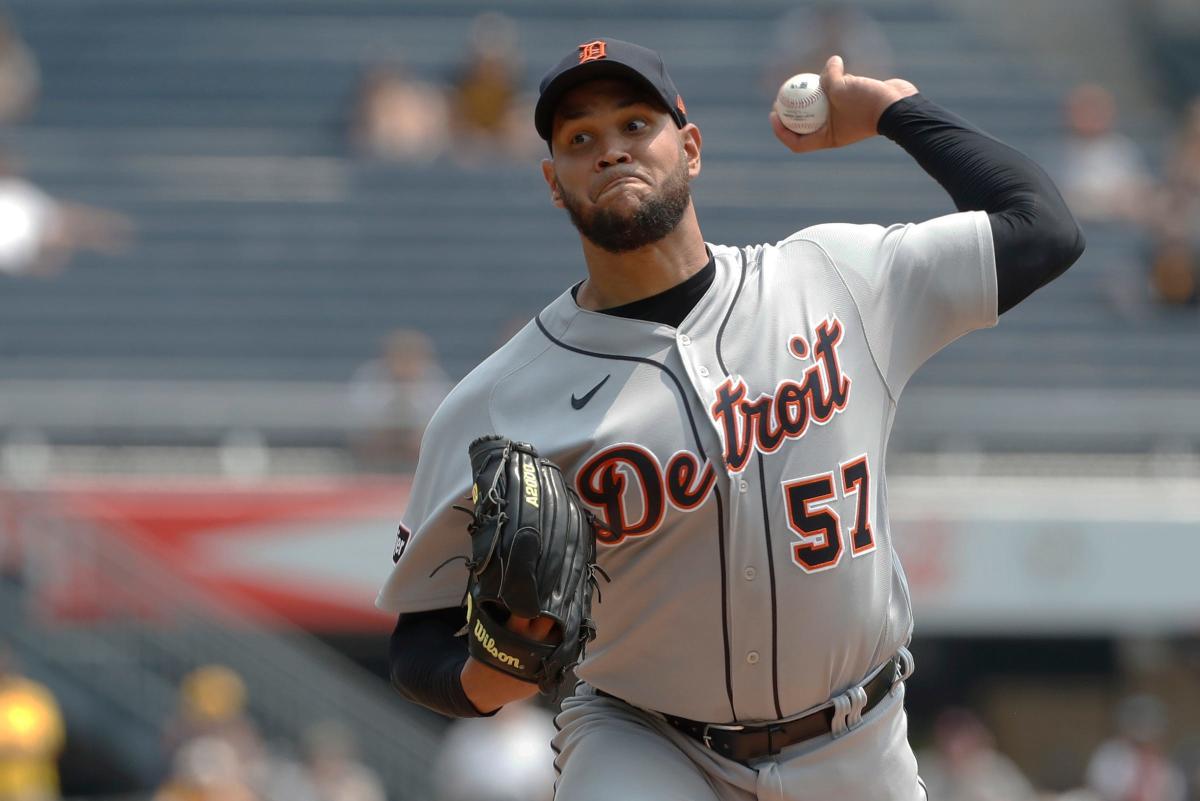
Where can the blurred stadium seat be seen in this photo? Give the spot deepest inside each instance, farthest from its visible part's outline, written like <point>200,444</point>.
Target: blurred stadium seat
<point>266,254</point>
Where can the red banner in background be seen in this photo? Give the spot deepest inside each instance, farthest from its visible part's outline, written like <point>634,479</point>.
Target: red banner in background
<point>311,551</point>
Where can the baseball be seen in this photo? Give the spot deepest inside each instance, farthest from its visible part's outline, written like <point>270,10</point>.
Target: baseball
<point>801,104</point>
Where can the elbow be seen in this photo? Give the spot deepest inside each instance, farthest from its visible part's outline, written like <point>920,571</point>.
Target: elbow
<point>1064,238</point>
<point>1060,239</point>
<point>1057,241</point>
<point>1070,245</point>
<point>1056,251</point>
<point>398,664</point>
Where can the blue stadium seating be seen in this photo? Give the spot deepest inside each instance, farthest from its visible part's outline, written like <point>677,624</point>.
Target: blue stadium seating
<point>266,252</point>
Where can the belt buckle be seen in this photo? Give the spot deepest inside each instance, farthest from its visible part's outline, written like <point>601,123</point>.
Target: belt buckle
<point>707,738</point>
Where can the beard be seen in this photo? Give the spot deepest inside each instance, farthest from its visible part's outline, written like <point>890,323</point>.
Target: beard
<point>656,217</point>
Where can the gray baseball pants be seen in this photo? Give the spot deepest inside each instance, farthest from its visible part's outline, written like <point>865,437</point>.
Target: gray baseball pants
<point>609,750</point>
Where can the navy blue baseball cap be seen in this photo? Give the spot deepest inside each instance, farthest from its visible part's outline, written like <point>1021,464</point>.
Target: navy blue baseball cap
<point>606,58</point>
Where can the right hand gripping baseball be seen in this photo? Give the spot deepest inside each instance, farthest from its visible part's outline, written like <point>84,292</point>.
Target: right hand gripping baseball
<point>533,552</point>
<point>855,106</point>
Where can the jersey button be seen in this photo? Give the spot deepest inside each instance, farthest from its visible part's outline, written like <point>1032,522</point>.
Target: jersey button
<point>752,657</point>
<point>749,573</point>
<point>743,486</point>
<point>703,371</point>
<point>684,339</point>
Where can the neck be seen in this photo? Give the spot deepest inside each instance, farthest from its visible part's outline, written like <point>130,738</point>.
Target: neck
<point>615,279</point>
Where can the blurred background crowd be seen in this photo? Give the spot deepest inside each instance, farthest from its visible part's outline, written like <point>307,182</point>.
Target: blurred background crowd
<point>247,246</point>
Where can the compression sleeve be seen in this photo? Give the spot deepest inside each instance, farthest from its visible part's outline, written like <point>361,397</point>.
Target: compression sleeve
<point>426,661</point>
<point>1034,234</point>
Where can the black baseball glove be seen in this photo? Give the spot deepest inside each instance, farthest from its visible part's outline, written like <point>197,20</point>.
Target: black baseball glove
<point>533,553</point>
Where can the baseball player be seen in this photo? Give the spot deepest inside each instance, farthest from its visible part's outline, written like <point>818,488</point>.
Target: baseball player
<point>724,412</point>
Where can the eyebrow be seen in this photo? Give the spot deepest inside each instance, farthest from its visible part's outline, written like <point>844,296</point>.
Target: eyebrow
<point>580,112</point>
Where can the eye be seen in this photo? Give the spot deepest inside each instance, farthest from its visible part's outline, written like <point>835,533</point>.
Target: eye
<point>578,138</point>
<point>636,125</point>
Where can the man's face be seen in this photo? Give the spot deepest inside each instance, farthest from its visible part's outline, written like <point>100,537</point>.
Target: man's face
<point>620,167</point>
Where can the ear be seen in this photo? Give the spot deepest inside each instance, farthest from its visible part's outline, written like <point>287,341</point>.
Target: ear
<point>690,135</point>
<point>552,182</point>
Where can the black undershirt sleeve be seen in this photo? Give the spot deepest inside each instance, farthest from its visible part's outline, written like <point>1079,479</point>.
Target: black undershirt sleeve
<point>1034,234</point>
<point>426,660</point>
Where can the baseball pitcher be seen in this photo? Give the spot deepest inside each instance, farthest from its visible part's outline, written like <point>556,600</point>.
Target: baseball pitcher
<point>672,479</point>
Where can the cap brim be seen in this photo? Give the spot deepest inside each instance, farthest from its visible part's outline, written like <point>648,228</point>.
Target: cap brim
<point>543,113</point>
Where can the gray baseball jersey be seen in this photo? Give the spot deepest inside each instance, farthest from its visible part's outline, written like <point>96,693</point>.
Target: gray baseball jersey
<point>737,462</point>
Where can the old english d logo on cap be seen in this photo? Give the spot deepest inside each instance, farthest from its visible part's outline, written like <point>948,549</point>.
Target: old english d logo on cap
<point>592,51</point>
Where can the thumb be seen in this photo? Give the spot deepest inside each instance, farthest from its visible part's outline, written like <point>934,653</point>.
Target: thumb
<point>835,70</point>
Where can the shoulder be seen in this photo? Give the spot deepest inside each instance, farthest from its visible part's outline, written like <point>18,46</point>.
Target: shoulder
<point>827,244</point>
<point>471,398</point>
<point>865,246</point>
<point>837,240</point>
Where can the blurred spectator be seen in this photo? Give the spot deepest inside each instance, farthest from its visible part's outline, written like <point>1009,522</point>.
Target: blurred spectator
<point>1175,272</point>
<point>965,766</point>
<point>206,769</point>
<point>39,235</point>
<point>392,398</point>
<point>19,79</point>
<point>1102,173</point>
<point>808,35</point>
<point>212,695</point>
<point>12,561</point>
<point>398,117</point>
<point>31,737</point>
<point>489,115</point>
<point>212,704</point>
<point>334,768</point>
<point>276,775</point>
<point>1133,765</point>
<point>502,758</point>
<point>218,751</point>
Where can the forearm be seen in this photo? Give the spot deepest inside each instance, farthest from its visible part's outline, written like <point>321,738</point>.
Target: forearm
<point>429,666</point>
<point>1034,234</point>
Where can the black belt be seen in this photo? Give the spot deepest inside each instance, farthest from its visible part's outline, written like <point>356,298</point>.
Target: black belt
<point>744,743</point>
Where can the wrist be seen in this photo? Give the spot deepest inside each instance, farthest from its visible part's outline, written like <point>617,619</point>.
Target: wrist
<point>889,100</point>
<point>488,689</point>
<point>897,113</point>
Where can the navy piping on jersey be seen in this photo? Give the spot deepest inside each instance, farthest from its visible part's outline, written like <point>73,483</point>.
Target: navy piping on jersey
<point>762,487</point>
<point>724,601</point>
<point>558,752</point>
<point>762,483</point>
<point>716,490</point>
<point>729,312</point>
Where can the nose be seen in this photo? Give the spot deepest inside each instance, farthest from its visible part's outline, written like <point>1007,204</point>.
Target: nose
<point>612,156</point>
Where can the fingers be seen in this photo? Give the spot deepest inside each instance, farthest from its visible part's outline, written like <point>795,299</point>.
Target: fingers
<point>798,143</point>
<point>537,628</point>
<point>834,72</point>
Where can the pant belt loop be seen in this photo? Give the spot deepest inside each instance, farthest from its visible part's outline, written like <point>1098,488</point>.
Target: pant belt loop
<point>841,707</point>
<point>858,701</point>
<point>774,741</point>
<point>906,665</point>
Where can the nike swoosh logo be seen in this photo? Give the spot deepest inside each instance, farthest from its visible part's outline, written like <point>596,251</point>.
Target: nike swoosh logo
<point>579,403</point>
